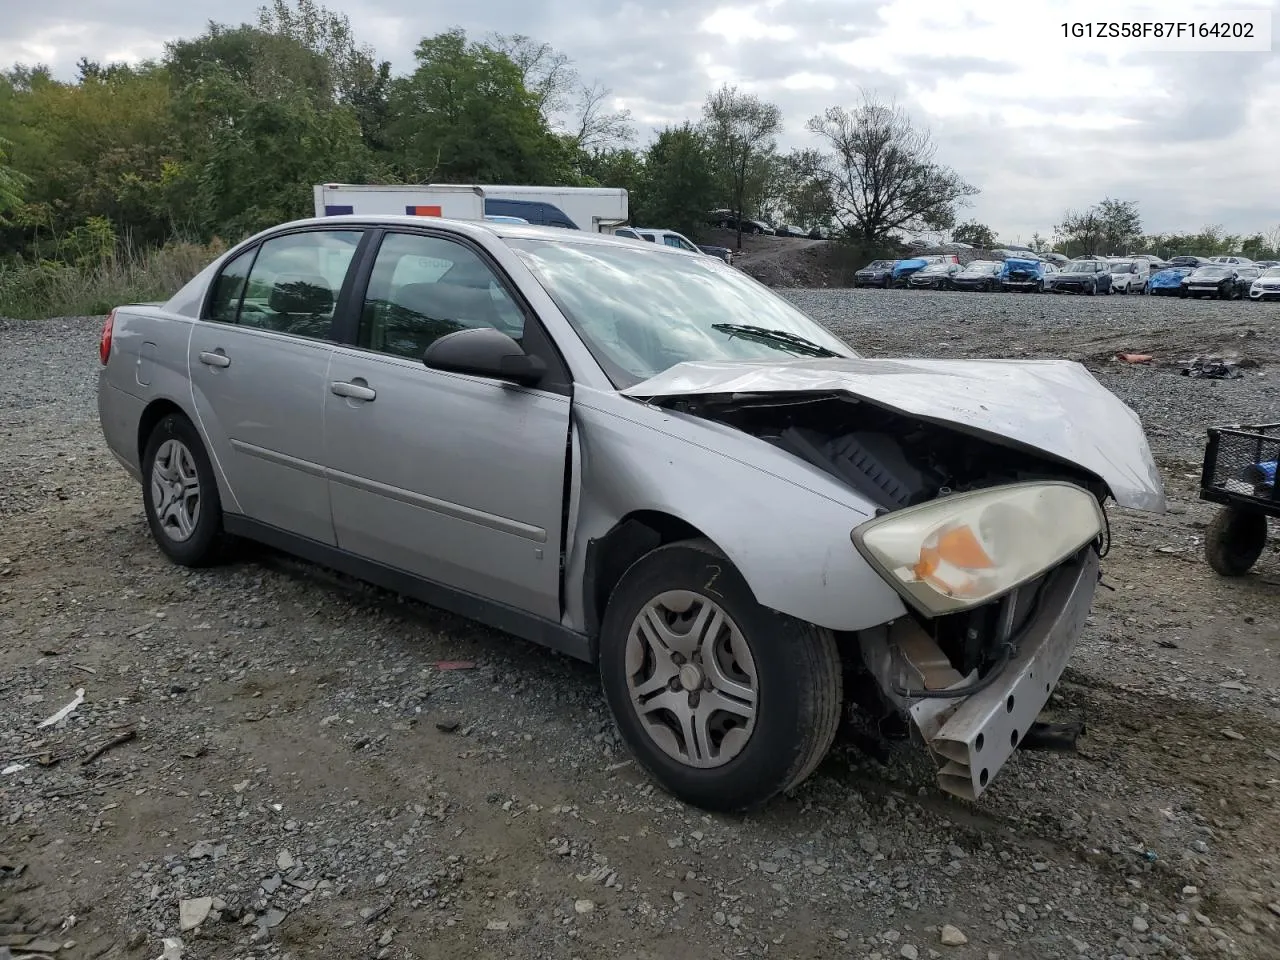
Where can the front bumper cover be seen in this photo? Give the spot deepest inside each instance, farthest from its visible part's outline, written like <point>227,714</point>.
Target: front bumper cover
<point>971,738</point>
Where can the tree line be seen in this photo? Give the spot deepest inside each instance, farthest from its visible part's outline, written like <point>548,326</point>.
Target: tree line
<point>228,131</point>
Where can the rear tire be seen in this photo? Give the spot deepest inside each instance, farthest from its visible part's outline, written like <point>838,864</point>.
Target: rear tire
<point>180,494</point>
<point>1234,541</point>
<point>791,668</point>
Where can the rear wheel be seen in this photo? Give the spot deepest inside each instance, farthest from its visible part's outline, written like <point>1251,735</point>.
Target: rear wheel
<point>1234,541</point>
<point>180,494</point>
<point>724,702</point>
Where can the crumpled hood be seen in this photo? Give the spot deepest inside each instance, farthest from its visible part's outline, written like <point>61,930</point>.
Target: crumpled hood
<point>1053,406</point>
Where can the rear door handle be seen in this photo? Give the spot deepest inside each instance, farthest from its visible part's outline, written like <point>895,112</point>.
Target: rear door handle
<point>215,359</point>
<point>356,391</point>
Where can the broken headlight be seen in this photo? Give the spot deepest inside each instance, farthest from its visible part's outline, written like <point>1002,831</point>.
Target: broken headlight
<point>965,549</point>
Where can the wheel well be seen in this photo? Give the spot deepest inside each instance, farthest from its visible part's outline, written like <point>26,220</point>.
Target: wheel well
<point>608,557</point>
<point>156,411</point>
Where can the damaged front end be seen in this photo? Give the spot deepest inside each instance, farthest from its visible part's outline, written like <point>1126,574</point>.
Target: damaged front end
<point>995,549</point>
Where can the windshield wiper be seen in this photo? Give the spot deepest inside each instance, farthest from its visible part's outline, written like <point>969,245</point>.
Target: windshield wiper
<point>792,341</point>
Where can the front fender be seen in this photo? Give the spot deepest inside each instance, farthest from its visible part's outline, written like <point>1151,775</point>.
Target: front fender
<point>783,523</point>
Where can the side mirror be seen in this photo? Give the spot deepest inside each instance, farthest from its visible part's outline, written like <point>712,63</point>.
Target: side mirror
<point>485,352</point>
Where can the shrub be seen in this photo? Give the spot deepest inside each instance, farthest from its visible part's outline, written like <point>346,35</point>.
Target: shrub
<point>35,289</point>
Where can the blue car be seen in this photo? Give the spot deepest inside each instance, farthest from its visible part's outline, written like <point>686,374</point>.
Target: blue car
<point>903,269</point>
<point>1022,274</point>
<point>1168,282</point>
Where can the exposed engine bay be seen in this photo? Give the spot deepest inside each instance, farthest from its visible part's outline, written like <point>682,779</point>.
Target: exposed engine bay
<point>893,460</point>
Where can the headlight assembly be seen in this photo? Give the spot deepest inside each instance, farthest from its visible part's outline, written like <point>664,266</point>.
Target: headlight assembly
<point>965,549</point>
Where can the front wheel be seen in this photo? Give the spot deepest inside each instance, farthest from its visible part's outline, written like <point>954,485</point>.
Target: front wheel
<point>1234,541</point>
<point>180,494</point>
<point>724,702</point>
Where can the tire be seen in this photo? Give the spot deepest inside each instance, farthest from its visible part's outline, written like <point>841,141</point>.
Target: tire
<point>1234,541</point>
<point>886,282</point>
<point>190,533</point>
<point>797,681</point>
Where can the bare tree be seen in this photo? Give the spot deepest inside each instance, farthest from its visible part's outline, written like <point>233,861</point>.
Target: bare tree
<point>597,127</point>
<point>568,105</point>
<point>742,129</point>
<point>883,171</point>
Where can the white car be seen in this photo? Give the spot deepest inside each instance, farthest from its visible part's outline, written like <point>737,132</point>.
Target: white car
<point>1234,261</point>
<point>1266,286</point>
<point>1130,276</point>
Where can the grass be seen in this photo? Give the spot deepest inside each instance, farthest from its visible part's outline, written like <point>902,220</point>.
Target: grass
<point>34,290</point>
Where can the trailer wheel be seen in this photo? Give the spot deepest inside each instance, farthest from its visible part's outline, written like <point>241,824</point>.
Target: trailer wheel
<point>1235,540</point>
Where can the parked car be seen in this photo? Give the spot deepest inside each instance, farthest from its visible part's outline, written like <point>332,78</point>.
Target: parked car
<point>728,220</point>
<point>1211,280</point>
<point>1187,261</point>
<point>643,459</point>
<point>877,273</point>
<point>903,269</point>
<point>1168,282</point>
<point>1025,275</point>
<point>979,275</point>
<point>671,238</point>
<point>1130,276</point>
<point>1081,276</point>
<point>1264,264</point>
<point>1267,285</point>
<point>791,230</point>
<point>1235,261</point>
<point>933,276</point>
<point>1245,275</point>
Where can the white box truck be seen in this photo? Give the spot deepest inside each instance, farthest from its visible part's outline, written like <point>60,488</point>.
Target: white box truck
<point>595,209</point>
<point>453,202</point>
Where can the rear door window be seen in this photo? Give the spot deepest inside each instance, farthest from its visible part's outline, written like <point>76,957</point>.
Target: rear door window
<point>288,284</point>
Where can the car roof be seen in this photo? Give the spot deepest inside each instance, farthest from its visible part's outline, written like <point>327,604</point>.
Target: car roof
<point>476,229</point>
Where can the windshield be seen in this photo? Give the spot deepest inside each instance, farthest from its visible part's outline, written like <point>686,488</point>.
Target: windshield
<point>1123,266</point>
<point>1081,266</point>
<point>982,266</point>
<point>640,311</point>
<point>1248,273</point>
<point>878,265</point>
<point>937,268</point>
<point>1207,272</point>
<point>1271,272</point>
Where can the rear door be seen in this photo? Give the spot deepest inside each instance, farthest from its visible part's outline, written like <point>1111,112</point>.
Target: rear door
<point>258,364</point>
<point>455,479</point>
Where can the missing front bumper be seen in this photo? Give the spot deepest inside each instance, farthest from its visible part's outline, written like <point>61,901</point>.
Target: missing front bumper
<point>973,737</point>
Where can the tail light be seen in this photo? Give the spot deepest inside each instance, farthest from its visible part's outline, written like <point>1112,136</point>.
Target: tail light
<point>104,344</point>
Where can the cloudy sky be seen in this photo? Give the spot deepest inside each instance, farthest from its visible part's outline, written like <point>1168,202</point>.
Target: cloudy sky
<point>1040,123</point>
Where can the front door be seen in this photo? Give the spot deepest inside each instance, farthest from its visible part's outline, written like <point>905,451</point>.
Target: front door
<point>259,365</point>
<point>456,479</point>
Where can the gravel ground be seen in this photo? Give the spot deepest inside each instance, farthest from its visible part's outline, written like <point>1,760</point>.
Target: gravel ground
<point>308,777</point>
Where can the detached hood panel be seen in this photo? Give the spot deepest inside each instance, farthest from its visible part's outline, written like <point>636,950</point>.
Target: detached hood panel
<point>1053,406</point>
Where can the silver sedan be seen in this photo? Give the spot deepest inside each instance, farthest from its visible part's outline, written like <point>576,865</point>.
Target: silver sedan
<point>645,459</point>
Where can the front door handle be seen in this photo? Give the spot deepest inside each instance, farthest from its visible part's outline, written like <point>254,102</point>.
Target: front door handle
<point>215,359</point>
<point>356,391</point>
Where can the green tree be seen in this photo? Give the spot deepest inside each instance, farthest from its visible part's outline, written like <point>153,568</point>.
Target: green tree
<point>884,173</point>
<point>12,184</point>
<point>802,188</point>
<point>464,114</point>
<point>975,234</point>
<point>679,181</point>
<point>741,129</point>
<point>1107,228</point>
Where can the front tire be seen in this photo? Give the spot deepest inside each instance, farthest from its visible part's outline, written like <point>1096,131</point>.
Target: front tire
<point>180,494</point>
<point>724,702</point>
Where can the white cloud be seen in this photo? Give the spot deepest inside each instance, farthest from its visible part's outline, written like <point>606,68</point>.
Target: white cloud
<point>1039,122</point>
